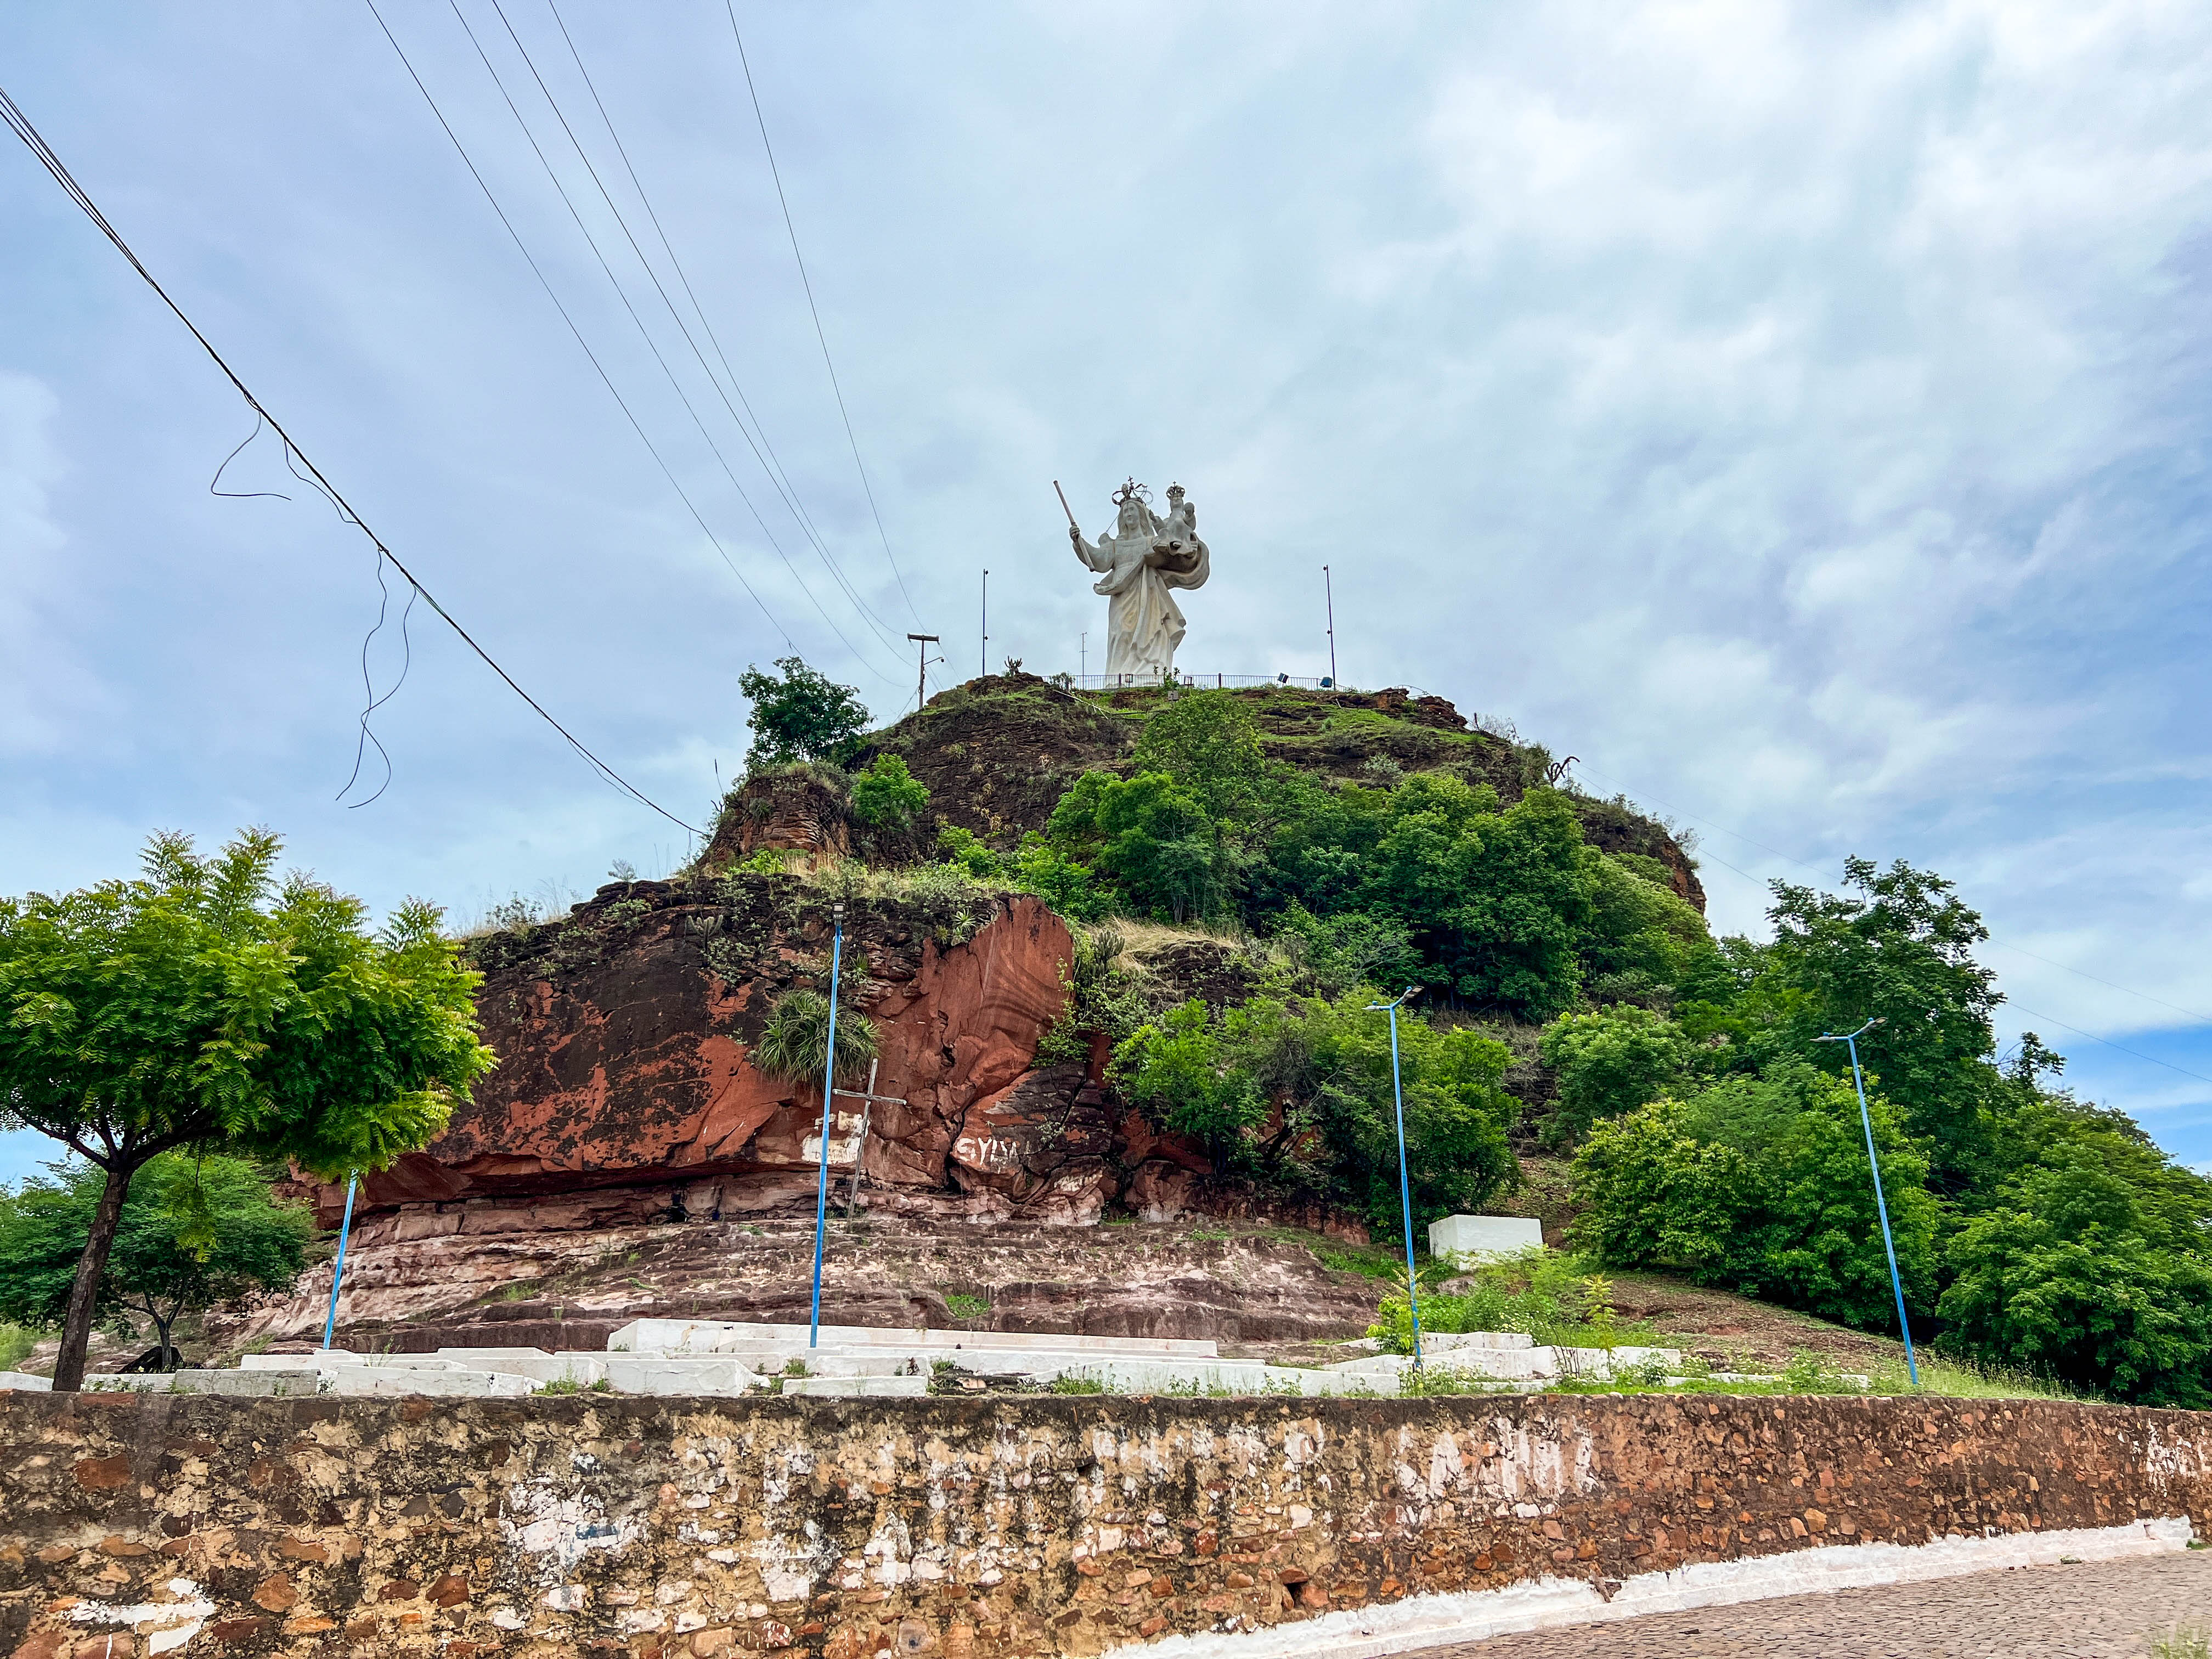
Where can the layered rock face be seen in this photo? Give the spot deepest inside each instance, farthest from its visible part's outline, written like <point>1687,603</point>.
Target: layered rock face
<point>625,1035</point>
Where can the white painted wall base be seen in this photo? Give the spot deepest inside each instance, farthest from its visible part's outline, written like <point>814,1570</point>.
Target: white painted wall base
<point>1424,1621</point>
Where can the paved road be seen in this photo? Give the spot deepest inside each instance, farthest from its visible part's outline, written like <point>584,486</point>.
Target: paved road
<point>2108,1610</point>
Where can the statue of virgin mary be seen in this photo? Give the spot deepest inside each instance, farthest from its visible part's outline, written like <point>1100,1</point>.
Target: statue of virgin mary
<point>1140,561</point>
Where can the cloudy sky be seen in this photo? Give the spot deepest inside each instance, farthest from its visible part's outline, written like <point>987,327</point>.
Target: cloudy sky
<point>1800,415</point>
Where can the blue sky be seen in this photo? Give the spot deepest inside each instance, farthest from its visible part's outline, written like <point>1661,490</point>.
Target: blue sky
<point>1800,414</point>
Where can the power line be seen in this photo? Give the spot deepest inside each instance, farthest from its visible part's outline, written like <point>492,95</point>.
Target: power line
<point>772,463</point>
<point>806,282</point>
<point>21,126</point>
<point>2107,1042</point>
<point>623,295</point>
<point>604,379</point>
<point>1990,938</point>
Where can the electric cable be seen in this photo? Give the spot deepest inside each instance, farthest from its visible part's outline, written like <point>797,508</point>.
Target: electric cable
<point>604,379</point>
<point>771,463</point>
<point>807,283</point>
<point>622,294</point>
<point>2018,950</point>
<point>20,124</point>
<point>1987,938</point>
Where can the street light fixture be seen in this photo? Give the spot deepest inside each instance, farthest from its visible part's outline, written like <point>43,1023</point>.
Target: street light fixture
<point>1405,1186</point>
<point>829,1083</point>
<point>1851,1039</point>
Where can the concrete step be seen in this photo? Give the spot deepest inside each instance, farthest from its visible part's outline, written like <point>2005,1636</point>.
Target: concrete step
<point>25,1381</point>
<point>858,1388</point>
<point>710,1335</point>
<point>582,1369</point>
<point>261,1383</point>
<point>1442,1340</point>
<point>677,1374</point>
<point>326,1359</point>
<point>359,1380</point>
<point>1523,1365</point>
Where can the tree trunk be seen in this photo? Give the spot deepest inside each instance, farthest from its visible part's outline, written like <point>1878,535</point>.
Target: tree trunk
<point>84,1291</point>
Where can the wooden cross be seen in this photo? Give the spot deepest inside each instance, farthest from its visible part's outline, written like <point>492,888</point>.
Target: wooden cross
<point>867,1098</point>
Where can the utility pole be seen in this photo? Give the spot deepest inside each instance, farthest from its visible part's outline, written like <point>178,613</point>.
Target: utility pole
<point>1329,594</point>
<point>1880,1208</point>
<point>922,643</point>
<point>983,656</point>
<point>1083,658</point>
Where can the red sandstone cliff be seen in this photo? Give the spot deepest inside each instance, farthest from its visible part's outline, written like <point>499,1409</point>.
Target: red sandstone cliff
<point>623,1031</point>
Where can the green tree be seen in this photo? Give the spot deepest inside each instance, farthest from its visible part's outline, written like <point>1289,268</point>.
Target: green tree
<point>1152,837</point>
<point>887,796</point>
<point>1608,1062</point>
<point>206,1006</point>
<point>1350,949</point>
<point>1181,1070</point>
<point>1457,1111</point>
<point>1898,945</point>
<point>1059,881</point>
<point>1760,1184</point>
<point>1208,742</point>
<point>2088,1264</point>
<point>194,1233</point>
<point>800,715</point>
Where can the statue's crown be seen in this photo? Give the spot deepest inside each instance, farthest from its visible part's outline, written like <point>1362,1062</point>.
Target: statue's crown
<point>1133,490</point>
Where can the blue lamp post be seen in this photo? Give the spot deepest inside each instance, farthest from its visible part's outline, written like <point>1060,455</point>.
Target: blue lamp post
<point>338,1267</point>
<point>829,1083</point>
<point>1851,1040</point>
<point>1405,1186</point>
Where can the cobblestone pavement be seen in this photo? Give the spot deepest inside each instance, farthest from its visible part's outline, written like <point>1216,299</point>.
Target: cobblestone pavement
<point>2106,1610</point>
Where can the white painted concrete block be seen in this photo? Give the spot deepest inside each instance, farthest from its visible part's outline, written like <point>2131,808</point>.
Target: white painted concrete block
<point>686,1375</point>
<point>330,1359</point>
<point>716,1336</point>
<point>257,1384</point>
<point>373,1380</point>
<point>1606,1362</point>
<point>1484,1235</point>
<point>1310,1382</point>
<point>858,1388</point>
<point>25,1381</point>
<point>582,1369</point>
<point>1445,1341</point>
<point>1142,1376</point>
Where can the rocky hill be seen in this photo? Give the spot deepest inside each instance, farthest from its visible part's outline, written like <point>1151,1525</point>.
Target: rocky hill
<point>998,753</point>
<point>628,1157</point>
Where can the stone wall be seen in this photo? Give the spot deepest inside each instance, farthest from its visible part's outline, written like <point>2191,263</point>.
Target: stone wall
<point>966,1528</point>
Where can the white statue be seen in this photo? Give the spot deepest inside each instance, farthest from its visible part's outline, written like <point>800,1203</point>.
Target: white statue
<point>1142,558</point>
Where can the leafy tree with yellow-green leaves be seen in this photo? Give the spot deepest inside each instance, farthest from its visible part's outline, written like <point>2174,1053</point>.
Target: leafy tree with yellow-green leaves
<point>210,1005</point>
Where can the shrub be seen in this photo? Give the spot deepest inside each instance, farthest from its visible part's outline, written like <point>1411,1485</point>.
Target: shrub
<point>1544,1293</point>
<point>1303,1092</point>
<point>887,796</point>
<point>795,1043</point>
<point>1761,1184</point>
<point>1608,1063</point>
<point>1179,1070</point>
